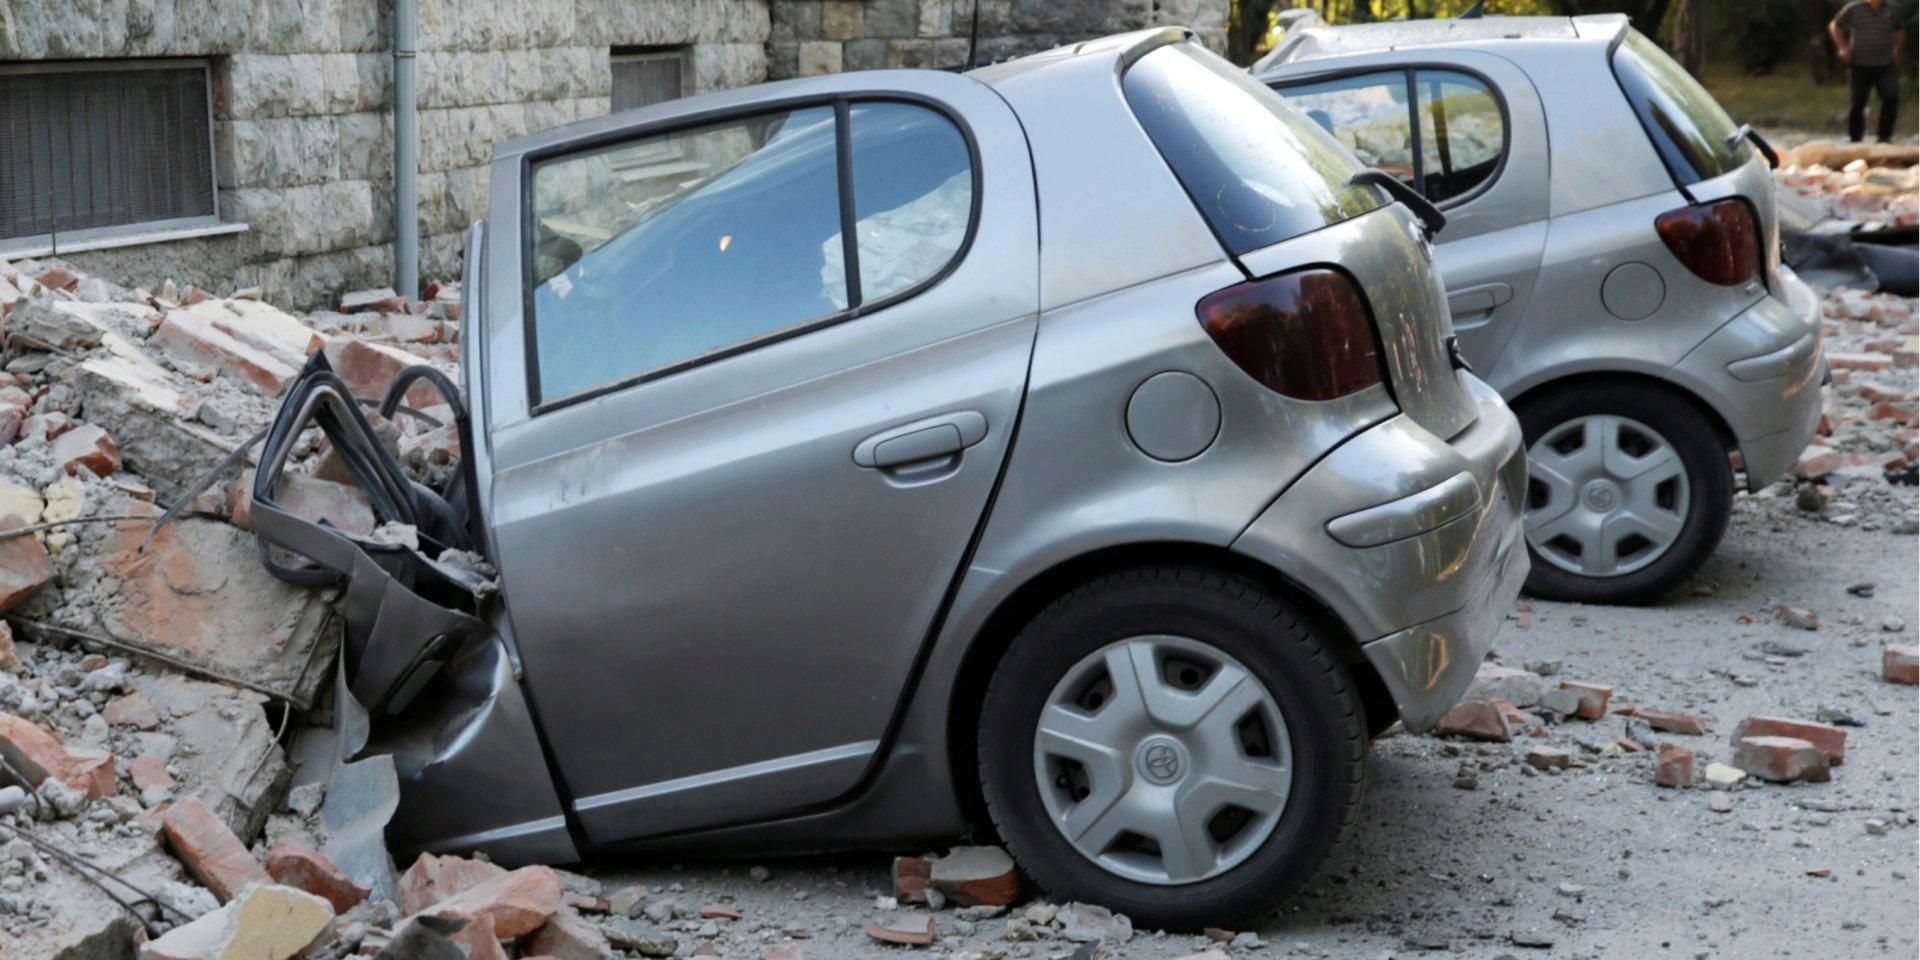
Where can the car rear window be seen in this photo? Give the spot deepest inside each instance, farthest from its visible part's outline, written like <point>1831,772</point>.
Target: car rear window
<point>1687,126</point>
<point>1259,171</point>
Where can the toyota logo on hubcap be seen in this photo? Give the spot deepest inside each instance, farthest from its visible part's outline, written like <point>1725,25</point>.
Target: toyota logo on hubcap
<point>1160,762</point>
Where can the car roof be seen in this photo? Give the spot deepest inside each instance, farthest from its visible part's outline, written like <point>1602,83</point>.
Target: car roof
<point>1323,42</point>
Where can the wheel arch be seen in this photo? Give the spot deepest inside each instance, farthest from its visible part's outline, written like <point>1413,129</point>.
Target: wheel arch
<point>997,633</point>
<point>1574,381</point>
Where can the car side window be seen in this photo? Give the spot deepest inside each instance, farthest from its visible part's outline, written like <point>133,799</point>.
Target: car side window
<point>1462,133</point>
<point>662,252</point>
<point>912,194</point>
<point>1368,113</point>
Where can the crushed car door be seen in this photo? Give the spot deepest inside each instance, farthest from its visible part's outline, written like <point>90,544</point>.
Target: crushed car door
<point>740,451</point>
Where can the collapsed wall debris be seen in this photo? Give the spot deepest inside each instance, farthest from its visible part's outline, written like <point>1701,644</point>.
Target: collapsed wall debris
<point>150,666</point>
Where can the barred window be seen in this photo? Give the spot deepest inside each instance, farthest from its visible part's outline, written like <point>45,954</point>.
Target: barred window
<point>645,77</point>
<point>89,149</point>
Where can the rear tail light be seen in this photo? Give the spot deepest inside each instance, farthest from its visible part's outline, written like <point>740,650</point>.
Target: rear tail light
<point>1719,241</point>
<point>1304,335</point>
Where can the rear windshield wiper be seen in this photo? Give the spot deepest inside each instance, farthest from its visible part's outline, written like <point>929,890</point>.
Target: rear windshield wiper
<point>1747,132</point>
<point>1431,219</point>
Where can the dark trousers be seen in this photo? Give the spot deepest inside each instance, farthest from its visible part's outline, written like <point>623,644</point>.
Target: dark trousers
<point>1886,80</point>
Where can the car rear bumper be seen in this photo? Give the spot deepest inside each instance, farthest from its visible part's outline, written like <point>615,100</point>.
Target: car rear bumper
<point>1414,542</point>
<point>1763,371</point>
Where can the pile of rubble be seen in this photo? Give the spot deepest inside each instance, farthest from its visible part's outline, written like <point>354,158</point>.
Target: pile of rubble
<point>150,671</point>
<point>1861,468</point>
<point>1874,183</point>
<point>1507,704</point>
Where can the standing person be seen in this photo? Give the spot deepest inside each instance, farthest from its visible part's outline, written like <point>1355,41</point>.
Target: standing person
<point>1869,37</point>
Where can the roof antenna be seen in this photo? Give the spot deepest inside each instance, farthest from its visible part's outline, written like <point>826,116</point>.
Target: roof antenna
<point>973,37</point>
<point>1475,12</point>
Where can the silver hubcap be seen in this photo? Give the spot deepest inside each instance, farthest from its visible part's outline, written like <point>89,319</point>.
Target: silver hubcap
<point>1606,496</point>
<point>1163,760</point>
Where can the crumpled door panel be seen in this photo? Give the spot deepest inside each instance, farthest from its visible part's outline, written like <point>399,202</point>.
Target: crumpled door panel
<point>423,654</point>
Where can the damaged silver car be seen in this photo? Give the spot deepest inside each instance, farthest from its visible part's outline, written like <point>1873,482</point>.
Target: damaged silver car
<point>810,500</point>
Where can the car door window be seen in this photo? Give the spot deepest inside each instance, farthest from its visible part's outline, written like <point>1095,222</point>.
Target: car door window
<point>1462,134</point>
<point>645,258</point>
<point>912,194</point>
<point>1368,113</point>
<point>664,251</point>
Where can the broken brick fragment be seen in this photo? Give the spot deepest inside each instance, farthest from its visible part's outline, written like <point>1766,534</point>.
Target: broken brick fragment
<point>1831,740</point>
<point>38,754</point>
<point>133,710</point>
<point>913,931</point>
<point>148,771</point>
<point>1673,765</point>
<point>1781,759</point>
<point>568,936</point>
<point>432,879</point>
<point>201,841</point>
<point>519,902</point>
<point>307,869</point>
<point>1672,721</point>
<point>24,565</point>
<point>1593,698</point>
<point>1475,720</point>
<point>1900,664</point>
<point>968,876</point>
<point>309,498</point>
<point>86,446</point>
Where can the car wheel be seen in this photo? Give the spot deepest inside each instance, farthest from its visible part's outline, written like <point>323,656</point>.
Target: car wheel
<point>1174,743</point>
<point>1629,490</point>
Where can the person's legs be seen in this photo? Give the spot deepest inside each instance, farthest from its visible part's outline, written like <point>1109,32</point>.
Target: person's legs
<point>1888,83</point>
<point>1862,83</point>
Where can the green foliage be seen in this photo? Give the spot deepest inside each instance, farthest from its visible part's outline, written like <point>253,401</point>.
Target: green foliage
<point>1759,35</point>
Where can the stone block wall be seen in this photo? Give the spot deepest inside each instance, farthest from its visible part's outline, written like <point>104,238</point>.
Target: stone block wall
<point>303,125</point>
<point>826,36</point>
<point>302,94</point>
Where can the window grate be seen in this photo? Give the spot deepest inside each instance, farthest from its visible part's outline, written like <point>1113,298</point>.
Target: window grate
<point>643,79</point>
<point>93,146</point>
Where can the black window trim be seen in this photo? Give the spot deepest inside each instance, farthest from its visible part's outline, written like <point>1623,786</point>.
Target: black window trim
<point>1663,151</point>
<point>1412,71</point>
<point>842,103</point>
<point>138,231</point>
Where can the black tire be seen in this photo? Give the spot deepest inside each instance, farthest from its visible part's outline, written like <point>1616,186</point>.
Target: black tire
<point>1703,456</point>
<point>1317,699</point>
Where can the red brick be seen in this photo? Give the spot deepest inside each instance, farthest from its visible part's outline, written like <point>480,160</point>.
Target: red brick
<point>1858,361</point>
<point>1673,766</point>
<point>309,870</point>
<point>478,940</point>
<point>378,300</point>
<point>432,879</point>
<point>309,498</point>
<point>519,902</point>
<point>1818,460</point>
<point>1900,664</point>
<point>133,710</point>
<point>916,931</point>
<point>210,851</point>
<point>87,446</point>
<point>1672,721</point>
<point>1475,720</point>
<point>1516,717</point>
<point>24,565</point>
<point>1593,699</point>
<point>53,424</point>
<point>191,342</point>
<point>719,911</point>
<point>1829,739</point>
<point>38,754</point>
<point>367,368</point>
<point>568,936</point>
<point>59,278</point>
<point>1781,759</point>
<point>148,771</point>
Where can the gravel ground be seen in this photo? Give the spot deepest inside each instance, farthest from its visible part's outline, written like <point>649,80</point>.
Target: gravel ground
<point>1595,861</point>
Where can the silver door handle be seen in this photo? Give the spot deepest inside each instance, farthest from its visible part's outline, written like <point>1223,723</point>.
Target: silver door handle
<point>1477,303</point>
<point>944,435</point>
